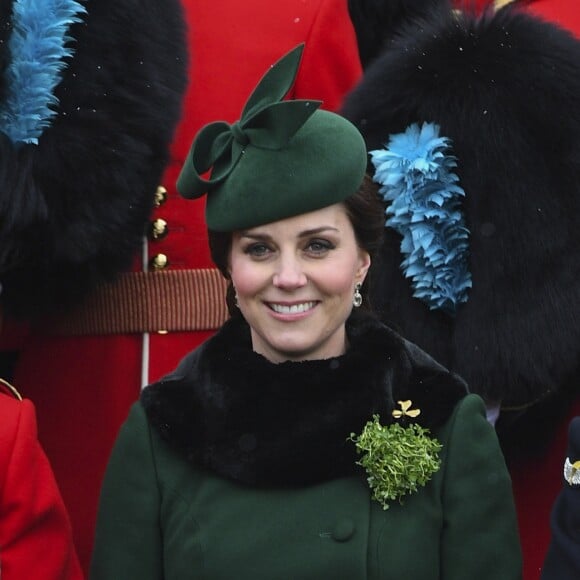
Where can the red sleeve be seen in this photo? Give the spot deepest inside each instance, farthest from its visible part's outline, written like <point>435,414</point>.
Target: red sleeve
<point>330,65</point>
<point>35,532</point>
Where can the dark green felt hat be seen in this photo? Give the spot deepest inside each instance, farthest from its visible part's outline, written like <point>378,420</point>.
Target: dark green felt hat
<point>281,159</point>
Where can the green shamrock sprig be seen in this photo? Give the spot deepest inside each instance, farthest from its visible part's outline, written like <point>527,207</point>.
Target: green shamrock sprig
<point>397,459</point>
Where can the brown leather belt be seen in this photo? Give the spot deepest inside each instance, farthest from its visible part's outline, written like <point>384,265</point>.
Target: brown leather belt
<point>162,301</point>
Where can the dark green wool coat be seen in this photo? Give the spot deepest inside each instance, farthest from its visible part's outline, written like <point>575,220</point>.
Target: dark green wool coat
<point>233,467</point>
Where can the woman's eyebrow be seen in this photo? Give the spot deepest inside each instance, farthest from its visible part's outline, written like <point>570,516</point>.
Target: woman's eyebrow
<point>318,230</point>
<point>303,234</point>
<point>255,235</point>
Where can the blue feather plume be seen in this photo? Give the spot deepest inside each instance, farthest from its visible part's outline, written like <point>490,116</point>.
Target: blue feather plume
<point>38,49</point>
<point>415,172</point>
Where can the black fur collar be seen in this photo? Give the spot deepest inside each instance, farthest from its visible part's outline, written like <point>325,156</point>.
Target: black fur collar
<point>233,412</point>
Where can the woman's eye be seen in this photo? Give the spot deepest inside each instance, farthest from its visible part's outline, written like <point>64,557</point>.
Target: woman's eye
<point>319,246</point>
<point>257,250</point>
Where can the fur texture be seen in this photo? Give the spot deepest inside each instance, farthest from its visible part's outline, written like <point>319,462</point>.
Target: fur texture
<point>74,207</point>
<point>231,411</point>
<point>511,105</point>
<point>377,21</point>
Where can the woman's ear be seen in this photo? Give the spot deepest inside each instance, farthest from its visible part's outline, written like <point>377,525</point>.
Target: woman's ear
<point>364,265</point>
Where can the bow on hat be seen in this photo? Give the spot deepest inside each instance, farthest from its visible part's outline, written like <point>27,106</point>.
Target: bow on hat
<point>266,122</point>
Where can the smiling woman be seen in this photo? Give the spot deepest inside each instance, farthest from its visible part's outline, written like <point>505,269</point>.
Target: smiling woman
<point>365,212</point>
<point>305,439</point>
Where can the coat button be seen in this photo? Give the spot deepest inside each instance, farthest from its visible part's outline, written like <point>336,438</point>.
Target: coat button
<point>158,229</point>
<point>160,196</point>
<point>159,262</point>
<point>343,530</point>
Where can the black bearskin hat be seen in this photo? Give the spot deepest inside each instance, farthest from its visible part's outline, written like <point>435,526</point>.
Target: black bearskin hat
<point>77,185</point>
<point>376,21</point>
<point>505,89</point>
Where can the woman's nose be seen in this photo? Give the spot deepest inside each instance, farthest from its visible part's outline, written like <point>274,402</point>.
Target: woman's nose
<point>289,273</point>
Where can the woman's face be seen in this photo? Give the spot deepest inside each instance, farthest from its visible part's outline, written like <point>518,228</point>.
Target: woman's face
<point>295,280</point>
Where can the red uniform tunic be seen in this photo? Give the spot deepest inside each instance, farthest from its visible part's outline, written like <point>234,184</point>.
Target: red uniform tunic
<point>35,532</point>
<point>83,385</point>
<point>566,13</point>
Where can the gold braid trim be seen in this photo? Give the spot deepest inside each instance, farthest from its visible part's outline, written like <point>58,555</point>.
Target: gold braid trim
<point>11,389</point>
<point>501,3</point>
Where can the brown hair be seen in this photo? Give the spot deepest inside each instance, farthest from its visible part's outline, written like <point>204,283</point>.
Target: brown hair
<point>366,213</point>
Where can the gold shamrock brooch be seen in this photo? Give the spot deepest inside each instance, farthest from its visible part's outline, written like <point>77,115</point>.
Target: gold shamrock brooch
<point>406,410</point>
